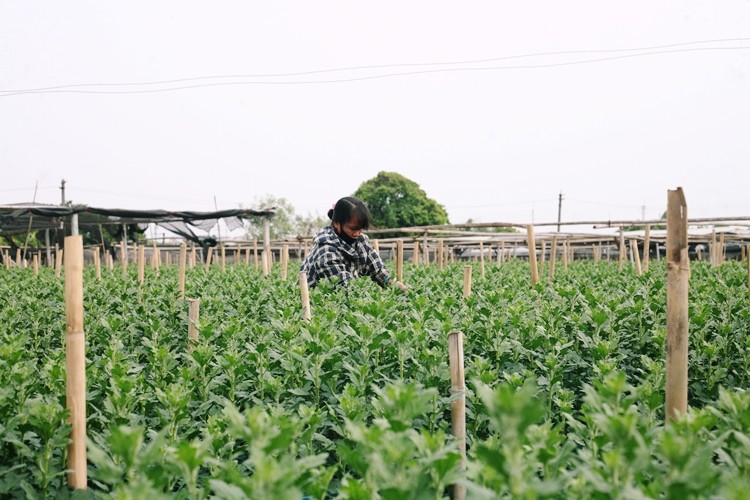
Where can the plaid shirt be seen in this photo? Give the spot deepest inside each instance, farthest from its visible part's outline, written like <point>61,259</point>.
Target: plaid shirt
<point>332,257</point>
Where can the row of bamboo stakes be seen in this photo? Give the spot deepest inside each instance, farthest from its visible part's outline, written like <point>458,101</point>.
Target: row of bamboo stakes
<point>678,272</point>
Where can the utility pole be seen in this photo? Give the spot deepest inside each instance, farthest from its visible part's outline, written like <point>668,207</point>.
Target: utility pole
<point>62,204</point>
<point>559,211</point>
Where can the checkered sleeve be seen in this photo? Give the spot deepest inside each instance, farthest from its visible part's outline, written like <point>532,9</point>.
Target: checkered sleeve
<point>374,265</point>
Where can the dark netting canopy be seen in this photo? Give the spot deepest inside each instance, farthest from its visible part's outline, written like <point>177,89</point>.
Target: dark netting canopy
<point>29,217</point>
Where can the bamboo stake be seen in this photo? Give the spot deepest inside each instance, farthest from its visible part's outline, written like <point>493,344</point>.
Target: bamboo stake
<point>6,259</point>
<point>552,259</point>
<point>123,257</point>
<point>192,256</point>
<point>721,251</point>
<point>440,254</point>
<point>75,361</point>
<point>223,259</point>
<point>565,255</point>
<point>621,252</point>
<point>194,310</point>
<point>646,248</point>
<point>501,253</point>
<point>284,261</point>
<point>181,276</point>
<point>467,281</point>
<point>458,405</point>
<point>208,258</point>
<point>141,263</point>
<point>306,314</point>
<point>59,262</point>
<point>266,261</point>
<point>636,257</point>
<point>481,259</point>
<point>97,264</point>
<point>400,260</point>
<point>544,252</point>
<point>18,258</point>
<point>35,263</point>
<point>415,256</point>
<point>747,256</point>
<point>532,254</point>
<point>678,275</point>
<point>255,254</point>
<point>714,260</point>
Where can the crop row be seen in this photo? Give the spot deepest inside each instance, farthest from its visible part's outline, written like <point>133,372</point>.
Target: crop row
<point>565,394</point>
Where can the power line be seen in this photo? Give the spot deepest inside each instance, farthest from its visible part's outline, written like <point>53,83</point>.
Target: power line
<point>66,88</point>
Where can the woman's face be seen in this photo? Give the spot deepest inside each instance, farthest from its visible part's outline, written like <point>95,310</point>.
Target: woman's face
<point>351,229</point>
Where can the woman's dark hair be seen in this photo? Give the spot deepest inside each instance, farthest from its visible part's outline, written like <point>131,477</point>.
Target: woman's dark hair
<point>349,208</point>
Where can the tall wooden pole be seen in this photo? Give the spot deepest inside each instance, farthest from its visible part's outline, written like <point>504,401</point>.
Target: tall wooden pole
<point>458,405</point>
<point>75,361</point>
<point>181,276</point>
<point>481,259</point>
<point>440,254</point>
<point>646,248</point>
<point>141,263</point>
<point>194,310</point>
<point>305,295</point>
<point>532,254</point>
<point>467,281</point>
<point>636,257</point>
<point>552,259</point>
<point>678,275</point>
<point>400,260</point>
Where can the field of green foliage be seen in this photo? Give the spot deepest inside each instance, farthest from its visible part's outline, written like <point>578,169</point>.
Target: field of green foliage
<point>565,386</point>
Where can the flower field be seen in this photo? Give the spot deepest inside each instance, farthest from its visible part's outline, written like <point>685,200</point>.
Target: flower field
<point>565,386</point>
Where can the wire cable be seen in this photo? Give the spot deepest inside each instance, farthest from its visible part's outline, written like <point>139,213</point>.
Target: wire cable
<point>66,88</point>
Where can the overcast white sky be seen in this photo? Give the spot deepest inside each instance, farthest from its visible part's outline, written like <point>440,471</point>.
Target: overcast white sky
<point>496,144</point>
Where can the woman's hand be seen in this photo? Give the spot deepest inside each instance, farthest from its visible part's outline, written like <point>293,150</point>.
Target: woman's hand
<point>401,286</point>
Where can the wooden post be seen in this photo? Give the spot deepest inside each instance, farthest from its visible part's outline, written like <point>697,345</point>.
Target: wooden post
<point>501,253</point>
<point>440,254</point>
<point>646,248</point>
<point>400,260</point>
<point>124,257</point>
<point>376,246</point>
<point>415,254</point>
<point>75,361</point>
<point>97,264</point>
<point>544,252</point>
<point>678,275</point>
<point>141,263</point>
<point>181,276</point>
<point>564,254</point>
<point>194,309</point>
<point>255,254</point>
<point>35,263</point>
<point>621,252</point>
<point>532,254</point>
<point>467,281</point>
<point>636,257</point>
<point>306,314</point>
<point>714,260</point>
<point>721,253</point>
<point>481,259</point>
<point>192,256</point>
<point>59,261</point>
<point>208,257</point>
<point>223,259</point>
<point>552,259</point>
<point>284,261</point>
<point>18,258</point>
<point>747,255</point>
<point>458,405</point>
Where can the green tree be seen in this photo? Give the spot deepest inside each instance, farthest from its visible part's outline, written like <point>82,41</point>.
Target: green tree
<point>395,201</point>
<point>287,223</point>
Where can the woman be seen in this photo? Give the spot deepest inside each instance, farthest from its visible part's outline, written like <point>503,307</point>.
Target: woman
<point>342,251</point>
